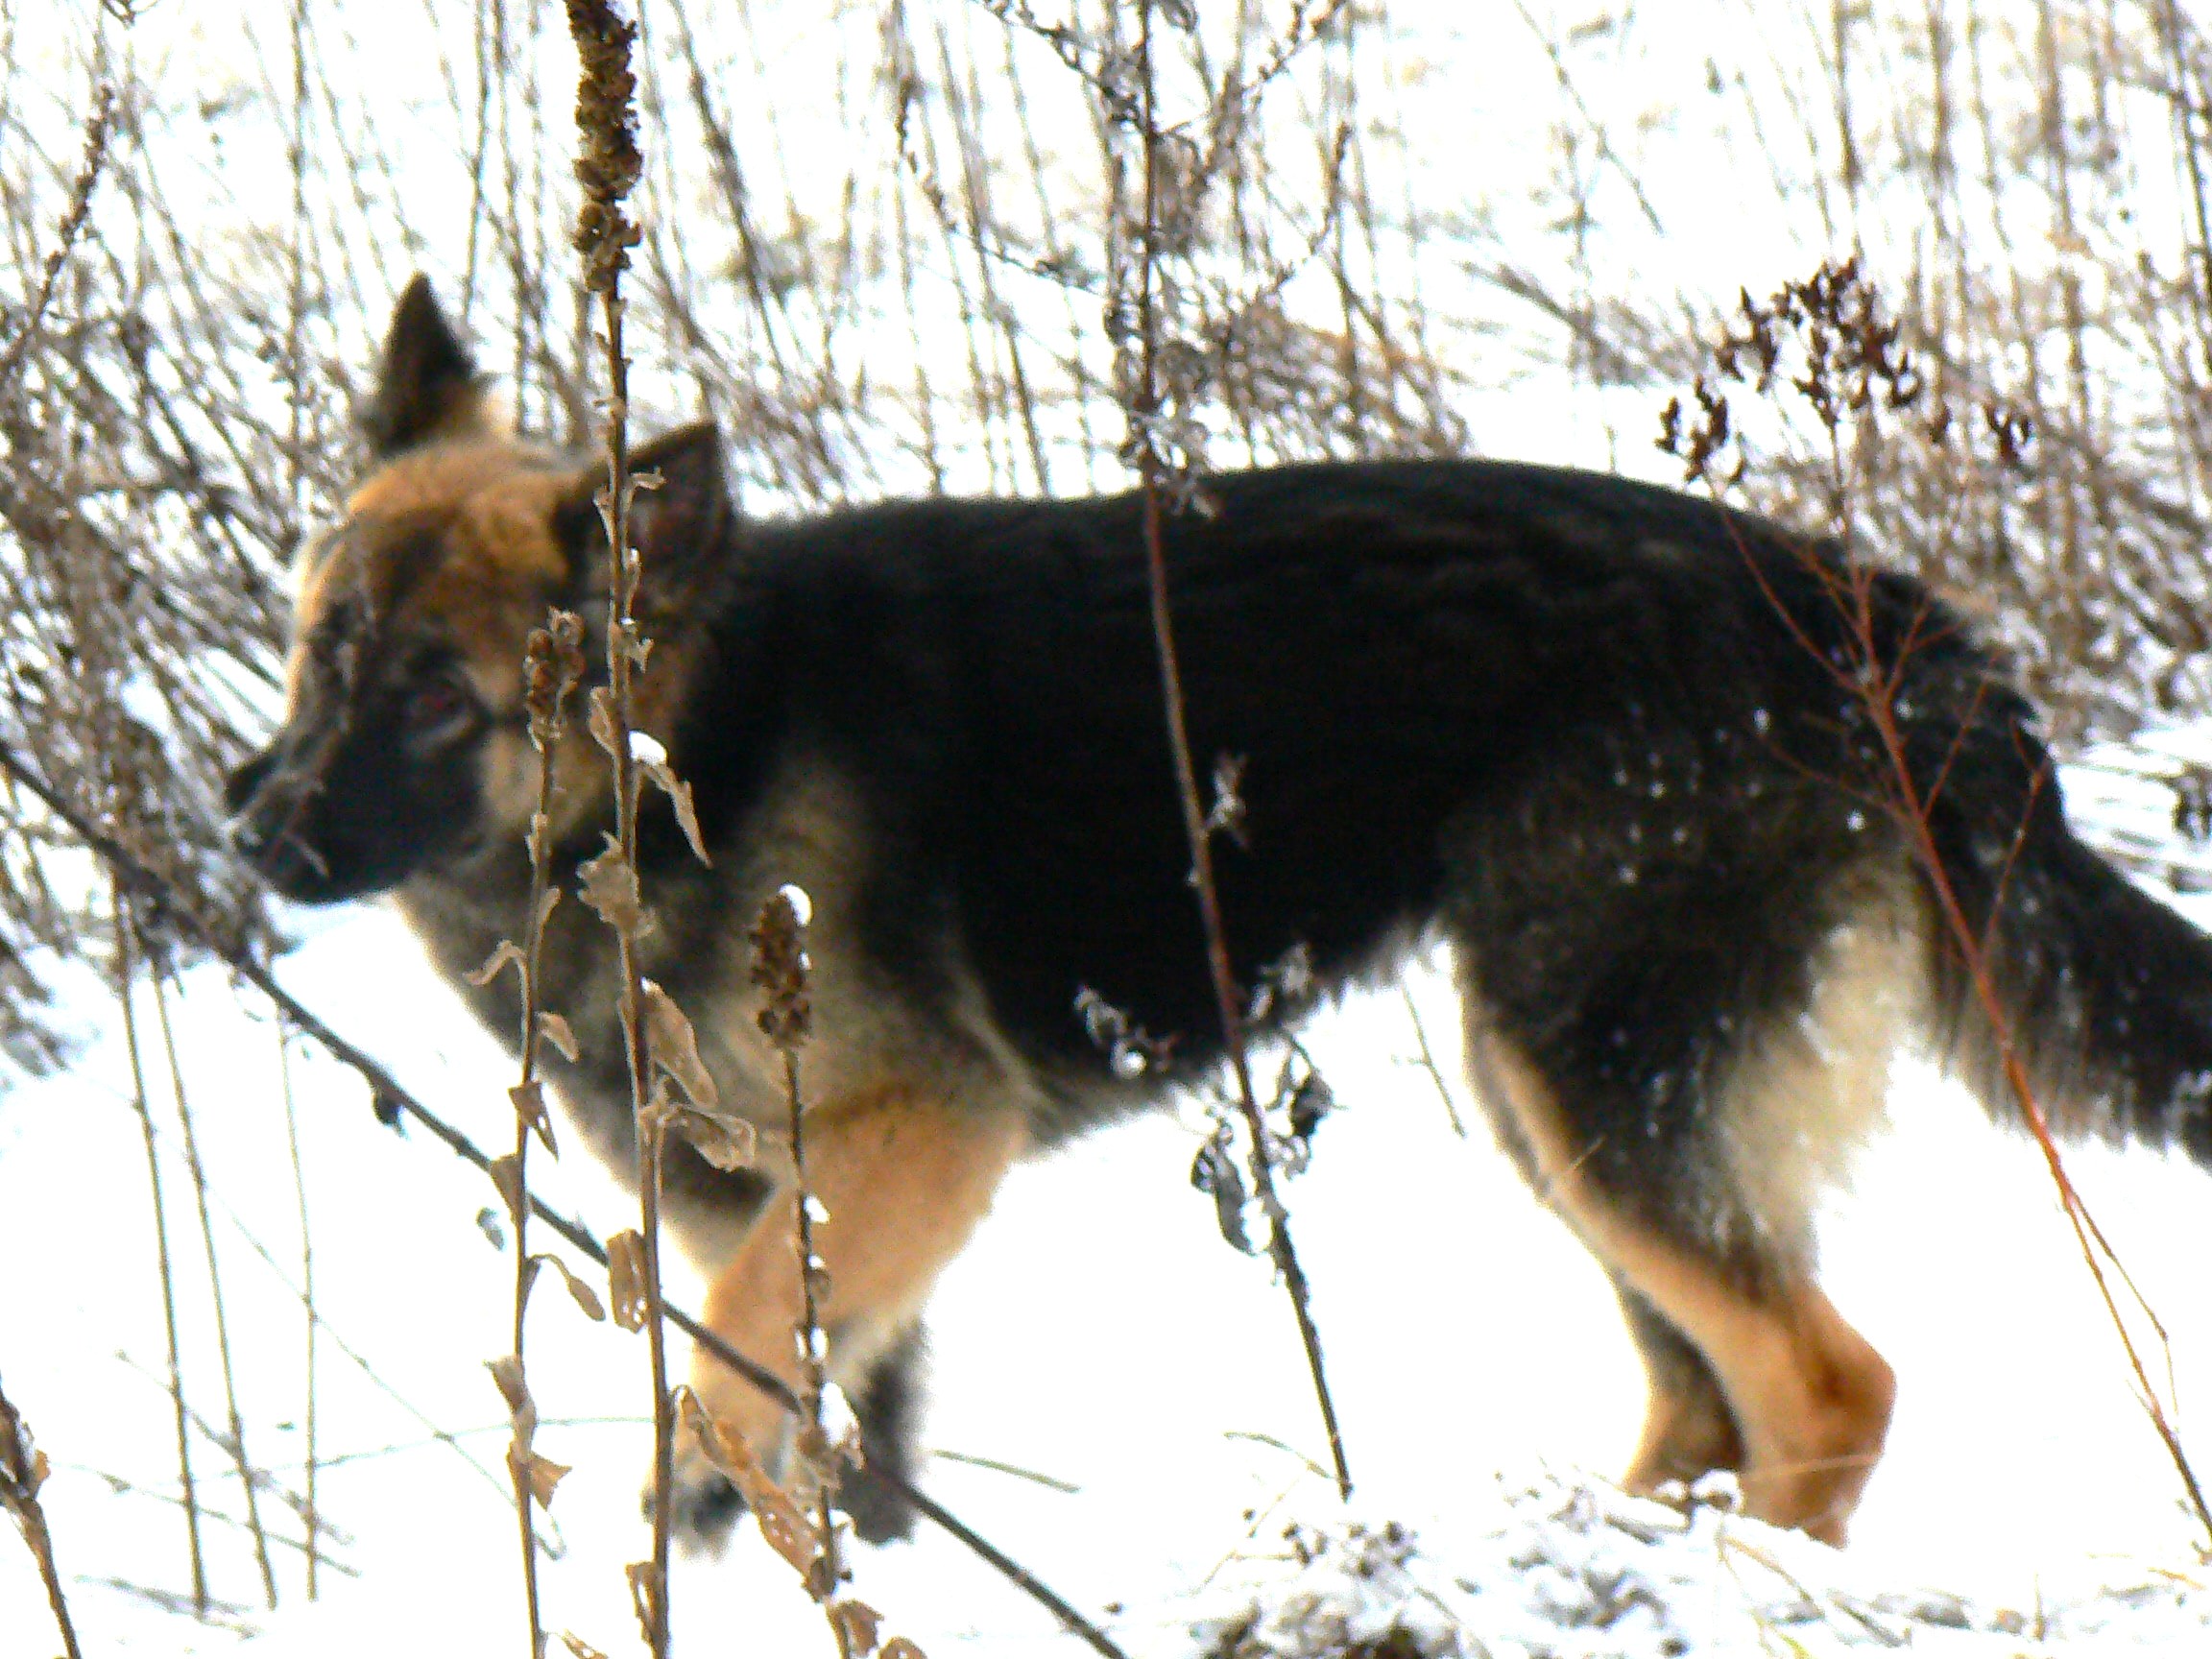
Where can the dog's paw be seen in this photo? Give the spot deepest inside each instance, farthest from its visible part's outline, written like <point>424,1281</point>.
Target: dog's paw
<point>703,1510</point>
<point>706,1508</point>
<point>880,1513</point>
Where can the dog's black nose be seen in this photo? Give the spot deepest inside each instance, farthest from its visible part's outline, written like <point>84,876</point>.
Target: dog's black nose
<point>247,833</point>
<point>244,781</point>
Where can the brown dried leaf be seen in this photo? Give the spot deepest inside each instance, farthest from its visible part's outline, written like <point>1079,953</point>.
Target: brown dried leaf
<point>522,1410</point>
<point>507,954</point>
<point>578,1648</point>
<point>581,1293</point>
<point>506,1176</point>
<point>644,1596</point>
<point>657,1114</point>
<point>507,1372</point>
<point>611,889</point>
<point>899,1648</point>
<point>859,1622</point>
<point>556,1030</point>
<point>674,1047</point>
<point>626,1279</point>
<point>545,905</point>
<point>679,795</point>
<point>601,718</point>
<point>783,1523</point>
<point>543,1476</point>
<point>729,1143</point>
<point>529,1101</point>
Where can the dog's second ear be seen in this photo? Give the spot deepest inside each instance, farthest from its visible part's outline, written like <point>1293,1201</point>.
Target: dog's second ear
<point>680,529</point>
<point>427,385</point>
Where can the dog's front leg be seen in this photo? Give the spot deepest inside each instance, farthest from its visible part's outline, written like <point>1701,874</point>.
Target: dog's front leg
<point>901,1175</point>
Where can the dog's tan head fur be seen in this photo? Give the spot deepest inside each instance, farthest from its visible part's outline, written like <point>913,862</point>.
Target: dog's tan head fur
<point>405,747</point>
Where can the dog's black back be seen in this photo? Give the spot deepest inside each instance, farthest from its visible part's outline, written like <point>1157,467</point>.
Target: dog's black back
<point>1531,705</point>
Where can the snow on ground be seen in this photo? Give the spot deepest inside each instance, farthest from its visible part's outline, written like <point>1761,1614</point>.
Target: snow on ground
<point>1100,1338</point>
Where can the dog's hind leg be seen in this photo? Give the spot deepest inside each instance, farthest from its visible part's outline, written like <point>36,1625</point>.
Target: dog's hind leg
<point>1687,1137</point>
<point>1750,1364</point>
<point>1690,1428</point>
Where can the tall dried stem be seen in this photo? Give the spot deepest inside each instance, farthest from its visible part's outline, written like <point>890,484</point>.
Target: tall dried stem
<point>607,167</point>
<point>552,665</point>
<point>247,1477</point>
<point>779,970</point>
<point>1151,455</point>
<point>312,1511</point>
<point>145,1113</point>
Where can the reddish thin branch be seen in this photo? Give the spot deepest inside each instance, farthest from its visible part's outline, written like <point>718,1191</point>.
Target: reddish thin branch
<point>1196,832</point>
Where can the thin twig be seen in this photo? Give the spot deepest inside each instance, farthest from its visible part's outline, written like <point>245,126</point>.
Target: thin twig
<point>552,665</point>
<point>607,167</point>
<point>22,1471</point>
<point>1427,1061</point>
<point>145,1112</point>
<point>1197,831</point>
<point>97,132</point>
<point>236,1444</point>
<point>998,1466</point>
<point>295,461</point>
<point>2186,118</point>
<point>310,1512</point>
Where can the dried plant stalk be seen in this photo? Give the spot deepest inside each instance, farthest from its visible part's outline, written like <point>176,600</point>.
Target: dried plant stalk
<point>553,663</point>
<point>607,168</point>
<point>145,1112</point>
<point>248,1478</point>
<point>98,131</point>
<point>22,1471</point>
<point>1151,449</point>
<point>311,1510</point>
<point>779,970</point>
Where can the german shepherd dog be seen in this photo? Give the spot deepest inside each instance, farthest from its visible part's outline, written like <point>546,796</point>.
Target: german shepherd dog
<point>1602,739</point>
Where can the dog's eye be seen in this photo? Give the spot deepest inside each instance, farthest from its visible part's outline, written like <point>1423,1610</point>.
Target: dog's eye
<point>438,705</point>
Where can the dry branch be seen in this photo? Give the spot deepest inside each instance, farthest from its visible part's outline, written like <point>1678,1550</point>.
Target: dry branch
<point>143,1108</point>
<point>22,1471</point>
<point>607,168</point>
<point>1152,446</point>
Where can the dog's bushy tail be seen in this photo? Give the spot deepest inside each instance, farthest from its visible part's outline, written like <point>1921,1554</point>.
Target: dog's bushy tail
<point>2102,993</point>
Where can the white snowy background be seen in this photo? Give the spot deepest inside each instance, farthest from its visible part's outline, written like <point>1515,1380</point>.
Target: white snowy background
<point>1098,1334</point>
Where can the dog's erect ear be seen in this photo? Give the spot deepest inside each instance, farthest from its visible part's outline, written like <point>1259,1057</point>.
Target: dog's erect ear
<point>680,529</point>
<point>427,383</point>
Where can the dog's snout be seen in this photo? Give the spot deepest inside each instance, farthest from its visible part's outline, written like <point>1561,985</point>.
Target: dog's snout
<point>247,829</point>
<point>244,781</point>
